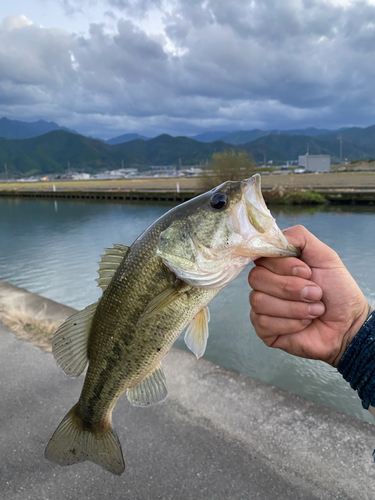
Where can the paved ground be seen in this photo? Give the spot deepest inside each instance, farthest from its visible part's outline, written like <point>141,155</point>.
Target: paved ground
<point>220,435</point>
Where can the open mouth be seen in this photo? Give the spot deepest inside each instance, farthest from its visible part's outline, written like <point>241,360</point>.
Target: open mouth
<point>252,219</point>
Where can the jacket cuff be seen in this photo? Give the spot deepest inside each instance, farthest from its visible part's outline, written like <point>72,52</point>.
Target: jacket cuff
<point>357,365</point>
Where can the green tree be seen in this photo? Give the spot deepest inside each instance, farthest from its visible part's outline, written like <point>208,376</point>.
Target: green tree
<point>230,166</point>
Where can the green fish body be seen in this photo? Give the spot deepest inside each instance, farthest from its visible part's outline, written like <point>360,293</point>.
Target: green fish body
<point>151,292</point>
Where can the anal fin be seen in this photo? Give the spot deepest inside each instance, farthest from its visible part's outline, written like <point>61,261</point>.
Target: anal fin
<point>197,332</point>
<point>151,390</point>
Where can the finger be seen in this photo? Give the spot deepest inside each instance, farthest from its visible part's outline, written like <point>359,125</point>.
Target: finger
<point>272,306</point>
<point>269,328</point>
<point>287,266</point>
<point>314,252</point>
<point>283,287</point>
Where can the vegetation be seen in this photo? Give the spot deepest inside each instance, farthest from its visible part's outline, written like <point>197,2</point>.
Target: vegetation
<point>230,166</point>
<point>295,197</point>
<point>36,330</point>
<point>60,151</point>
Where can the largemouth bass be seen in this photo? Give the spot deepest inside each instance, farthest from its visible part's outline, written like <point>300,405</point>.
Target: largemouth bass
<point>151,292</point>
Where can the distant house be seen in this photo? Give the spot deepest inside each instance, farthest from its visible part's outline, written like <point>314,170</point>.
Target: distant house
<point>315,163</point>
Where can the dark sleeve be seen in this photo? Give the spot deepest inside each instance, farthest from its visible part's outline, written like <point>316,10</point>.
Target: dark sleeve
<point>357,365</point>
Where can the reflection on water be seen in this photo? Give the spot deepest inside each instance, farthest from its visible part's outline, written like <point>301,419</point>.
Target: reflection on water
<point>53,248</point>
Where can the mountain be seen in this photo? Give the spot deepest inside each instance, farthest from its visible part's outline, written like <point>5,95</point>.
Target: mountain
<point>364,137</point>
<point>14,129</point>
<point>210,136</point>
<point>310,131</point>
<point>51,152</point>
<point>126,138</point>
<point>243,136</point>
<point>282,147</point>
<point>168,150</point>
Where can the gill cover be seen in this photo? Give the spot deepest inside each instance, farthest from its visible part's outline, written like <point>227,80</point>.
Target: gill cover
<point>210,246</point>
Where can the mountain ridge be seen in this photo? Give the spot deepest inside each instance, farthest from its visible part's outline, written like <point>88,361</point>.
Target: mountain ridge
<point>55,151</point>
<point>15,129</point>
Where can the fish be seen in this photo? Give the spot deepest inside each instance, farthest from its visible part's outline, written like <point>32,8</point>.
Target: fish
<point>152,291</point>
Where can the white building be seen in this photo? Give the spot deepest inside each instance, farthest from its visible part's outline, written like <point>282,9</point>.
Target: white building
<point>315,163</point>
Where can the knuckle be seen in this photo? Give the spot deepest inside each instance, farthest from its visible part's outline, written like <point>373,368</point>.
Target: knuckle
<point>253,277</point>
<point>262,321</point>
<point>255,300</point>
<point>252,317</point>
<point>286,287</point>
<point>289,287</point>
<point>268,341</point>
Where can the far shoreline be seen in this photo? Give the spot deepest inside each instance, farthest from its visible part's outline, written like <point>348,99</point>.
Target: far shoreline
<point>285,188</point>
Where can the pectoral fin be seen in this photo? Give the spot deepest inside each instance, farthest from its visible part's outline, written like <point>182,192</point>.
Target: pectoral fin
<point>164,299</point>
<point>151,390</point>
<point>197,332</point>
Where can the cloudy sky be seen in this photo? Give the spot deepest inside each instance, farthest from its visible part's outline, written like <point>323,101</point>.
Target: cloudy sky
<point>108,67</point>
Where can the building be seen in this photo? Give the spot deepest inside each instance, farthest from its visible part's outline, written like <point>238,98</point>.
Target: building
<point>315,163</point>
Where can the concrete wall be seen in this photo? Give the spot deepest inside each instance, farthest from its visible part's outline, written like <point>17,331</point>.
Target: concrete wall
<point>220,435</point>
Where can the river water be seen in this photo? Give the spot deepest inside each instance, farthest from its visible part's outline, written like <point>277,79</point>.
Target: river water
<point>52,248</point>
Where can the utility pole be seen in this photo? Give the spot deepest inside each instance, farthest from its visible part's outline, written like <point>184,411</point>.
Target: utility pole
<point>340,138</point>
<point>68,167</point>
<point>6,171</point>
<point>307,156</point>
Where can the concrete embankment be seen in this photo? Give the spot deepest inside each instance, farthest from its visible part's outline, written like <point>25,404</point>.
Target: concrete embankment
<point>341,187</point>
<point>219,435</point>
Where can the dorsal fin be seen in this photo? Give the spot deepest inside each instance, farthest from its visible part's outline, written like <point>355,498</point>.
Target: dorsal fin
<point>110,263</point>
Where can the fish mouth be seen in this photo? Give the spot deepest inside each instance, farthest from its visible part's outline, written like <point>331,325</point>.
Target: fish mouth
<point>252,219</point>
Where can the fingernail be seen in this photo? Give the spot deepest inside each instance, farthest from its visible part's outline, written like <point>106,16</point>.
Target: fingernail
<point>316,309</point>
<point>306,322</point>
<point>311,293</point>
<point>301,272</point>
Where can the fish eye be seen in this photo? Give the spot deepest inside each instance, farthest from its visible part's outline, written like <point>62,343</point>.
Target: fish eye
<point>219,201</point>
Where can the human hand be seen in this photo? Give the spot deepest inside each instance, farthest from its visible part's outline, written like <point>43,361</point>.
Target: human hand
<point>309,307</point>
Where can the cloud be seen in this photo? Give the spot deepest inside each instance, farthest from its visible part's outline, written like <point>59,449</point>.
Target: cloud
<point>204,64</point>
<point>34,62</point>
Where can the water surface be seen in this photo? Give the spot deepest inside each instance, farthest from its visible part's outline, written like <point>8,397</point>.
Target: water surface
<point>52,248</point>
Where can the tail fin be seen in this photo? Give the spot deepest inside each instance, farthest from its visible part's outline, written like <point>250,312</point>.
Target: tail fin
<point>71,444</point>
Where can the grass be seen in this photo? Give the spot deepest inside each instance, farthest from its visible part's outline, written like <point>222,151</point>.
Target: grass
<point>295,197</point>
<point>302,197</point>
<point>159,183</point>
<point>36,330</point>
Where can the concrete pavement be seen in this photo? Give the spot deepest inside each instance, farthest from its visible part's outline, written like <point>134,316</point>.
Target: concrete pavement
<point>219,435</point>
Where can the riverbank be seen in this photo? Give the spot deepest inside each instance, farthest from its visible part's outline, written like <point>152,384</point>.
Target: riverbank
<point>219,435</point>
<point>339,187</point>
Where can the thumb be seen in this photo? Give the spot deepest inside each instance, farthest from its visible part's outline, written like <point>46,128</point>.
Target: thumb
<point>314,252</point>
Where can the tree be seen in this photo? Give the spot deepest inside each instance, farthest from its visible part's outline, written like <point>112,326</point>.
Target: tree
<point>230,166</point>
